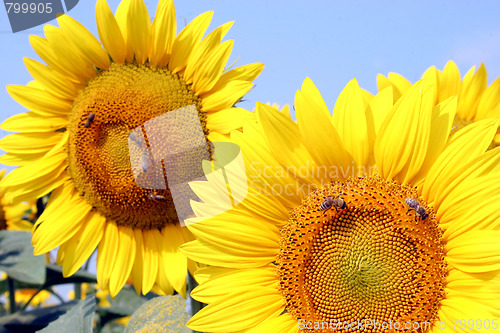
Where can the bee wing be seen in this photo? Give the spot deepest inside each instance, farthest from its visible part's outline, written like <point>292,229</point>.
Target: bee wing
<point>145,160</point>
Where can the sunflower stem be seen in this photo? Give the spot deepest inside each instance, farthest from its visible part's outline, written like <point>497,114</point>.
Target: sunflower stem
<point>12,294</point>
<point>78,291</point>
<point>32,297</point>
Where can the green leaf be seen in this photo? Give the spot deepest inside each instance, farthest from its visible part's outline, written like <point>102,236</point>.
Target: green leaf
<point>77,320</point>
<point>54,277</point>
<point>31,321</point>
<point>17,259</point>
<point>161,314</point>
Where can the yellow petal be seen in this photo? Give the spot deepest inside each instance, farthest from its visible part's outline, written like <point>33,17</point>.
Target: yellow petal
<point>163,32</point>
<point>83,243</point>
<point>121,16</point>
<point>48,168</point>
<point>475,251</point>
<point>377,110</point>
<point>284,140</point>
<point>109,32</point>
<point>150,259</point>
<point>19,159</point>
<point>277,180</point>
<point>137,268</point>
<point>55,227</point>
<point>162,281</point>
<point>205,274</point>
<point>207,45</point>
<point>489,105</point>
<point>484,216</point>
<point>227,96</point>
<point>68,55</point>
<point>473,191</point>
<point>211,256</point>
<point>14,213</point>
<point>401,145</point>
<point>286,110</point>
<point>35,172</point>
<point>350,122</point>
<point>31,122</point>
<point>460,310</point>
<point>261,238</point>
<point>138,36</point>
<point>186,40</point>
<point>477,286</point>
<point>211,67</point>
<point>17,224</point>
<point>58,197</point>
<point>398,83</point>
<point>38,189</point>
<point>441,121</point>
<point>472,88</point>
<point>247,309</point>
<point>39,101</point>
<point>466,145</point>
<point>283,323</point>
<point>30,142</point>
<point>224,121</point>
<point>217,287</point>
<point>106,254</point>
<point>45,51</point>
<point>449,81</point>
<point>488,301</point>
<point>123,265</point>
<point>85,41</point>
<point>380,107</point>
<point>431,75</point>
<point>53,81</point>
<point>173,261</point>
<point>244,73</point>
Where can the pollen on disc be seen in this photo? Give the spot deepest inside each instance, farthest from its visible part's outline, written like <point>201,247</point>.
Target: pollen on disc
<point>371,260</point>
<point>105,113</point>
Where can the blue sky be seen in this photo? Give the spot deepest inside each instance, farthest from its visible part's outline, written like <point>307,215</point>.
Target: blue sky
<point>329,41</point>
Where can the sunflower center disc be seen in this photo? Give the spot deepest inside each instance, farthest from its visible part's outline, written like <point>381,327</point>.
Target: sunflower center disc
<point>113,104</point>
<point>372,263</point>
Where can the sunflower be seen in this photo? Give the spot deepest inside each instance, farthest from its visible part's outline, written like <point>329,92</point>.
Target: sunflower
<point>87,107</point>
<point>369,220</point>
<point>476,100</point>
<point>11,215</point>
